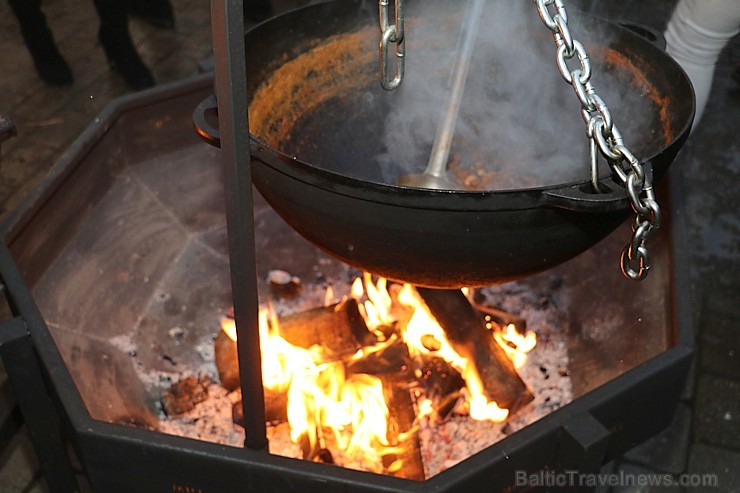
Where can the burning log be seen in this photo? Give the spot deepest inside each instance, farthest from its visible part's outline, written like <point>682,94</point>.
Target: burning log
<point>442,384</point>
<point>227,361</point>
<point>339,328</point>
<point>391,359</point>
<point>276,408</point>
<point>468,335</point>
<point>183,396</point>
<point>403,432</point>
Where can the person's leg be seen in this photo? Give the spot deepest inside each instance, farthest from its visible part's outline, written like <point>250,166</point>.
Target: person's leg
<point>49,63</point>
<point>695,36</point>
<point>119,48</point>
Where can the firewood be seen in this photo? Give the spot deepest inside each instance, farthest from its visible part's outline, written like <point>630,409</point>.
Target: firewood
<point>183,396</point>
<point>468,335</point>
<point>502,318</point>
<point>392,359</point>
<point>339,328</point>
<point>276,408</point>
<point>442,384</point>
<point>227,361</point>
<point>403,432</point>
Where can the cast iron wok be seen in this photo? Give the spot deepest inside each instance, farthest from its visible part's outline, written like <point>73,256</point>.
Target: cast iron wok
<point>314,139</point>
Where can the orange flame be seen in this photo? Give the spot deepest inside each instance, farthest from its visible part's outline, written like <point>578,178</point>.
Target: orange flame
<point>423,323</point>
<point>515,344</point>
<point>321,396</point>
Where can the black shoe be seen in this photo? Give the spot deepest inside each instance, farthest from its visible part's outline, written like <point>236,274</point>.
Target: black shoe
<point>156,12</point>
<point>122,56</point>
<point>50,65</point>
<point>53,69</point>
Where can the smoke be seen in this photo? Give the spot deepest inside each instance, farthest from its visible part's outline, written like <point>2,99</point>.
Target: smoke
<point>519,125</point>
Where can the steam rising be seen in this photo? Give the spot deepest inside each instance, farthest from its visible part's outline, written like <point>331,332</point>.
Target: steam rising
<point>519,125</point>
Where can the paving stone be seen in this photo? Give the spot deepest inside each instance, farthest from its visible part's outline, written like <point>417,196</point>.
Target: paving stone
<point>608,468</point>
<point>717,412</point>
<point>19,469</point>
<point>638,479</point>
<point>719,345</point>
<point>708,460</point>
<point>667,451</point>
<point>723,300</point>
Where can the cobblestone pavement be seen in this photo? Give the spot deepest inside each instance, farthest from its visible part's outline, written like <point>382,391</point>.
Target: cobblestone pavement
<point>705,435</point>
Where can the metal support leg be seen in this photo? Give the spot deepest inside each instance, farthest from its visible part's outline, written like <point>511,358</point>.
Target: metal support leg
<point>11,420</point>
<point>231,93</point>
<point>27,381</point>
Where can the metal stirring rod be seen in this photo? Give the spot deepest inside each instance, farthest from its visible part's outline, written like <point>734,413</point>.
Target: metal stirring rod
<point>435,174</point>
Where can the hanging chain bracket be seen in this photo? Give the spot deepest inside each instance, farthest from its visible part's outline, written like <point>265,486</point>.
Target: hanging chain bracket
<point>605,140</point>
<point>391,34</point>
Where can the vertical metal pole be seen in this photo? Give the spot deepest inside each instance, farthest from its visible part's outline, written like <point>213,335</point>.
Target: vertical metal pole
<point>227,21</point>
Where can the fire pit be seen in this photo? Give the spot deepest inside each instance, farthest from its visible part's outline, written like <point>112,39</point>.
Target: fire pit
<point>131,280</point>
<point>123,290</point>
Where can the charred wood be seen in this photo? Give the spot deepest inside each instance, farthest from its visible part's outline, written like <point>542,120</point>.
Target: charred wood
<point>276,408</point>
<point>339,328</point>
<point>442,384</point>
<point>391,359</point>
<point>183,396</point>
<point>468,335</point>
<point>227,361</point>
<point>403,432</point>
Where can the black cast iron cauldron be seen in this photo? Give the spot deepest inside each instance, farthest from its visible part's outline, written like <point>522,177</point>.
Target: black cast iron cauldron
<point>318,117</point>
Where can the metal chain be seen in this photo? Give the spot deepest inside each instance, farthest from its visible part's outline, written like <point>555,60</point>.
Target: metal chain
<point>391,33</point>
<point>604,138</point>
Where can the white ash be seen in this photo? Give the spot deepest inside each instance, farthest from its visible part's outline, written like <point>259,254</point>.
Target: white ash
<point>209,420</point>
<point>206,350</point>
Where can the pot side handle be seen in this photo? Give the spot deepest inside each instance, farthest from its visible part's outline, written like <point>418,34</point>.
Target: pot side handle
<point>204,114</point>
<point>580,198</point>
<point>648,33</point>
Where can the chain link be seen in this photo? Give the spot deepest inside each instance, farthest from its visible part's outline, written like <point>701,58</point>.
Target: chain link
<point>604,138</point>
<point>391,34</point>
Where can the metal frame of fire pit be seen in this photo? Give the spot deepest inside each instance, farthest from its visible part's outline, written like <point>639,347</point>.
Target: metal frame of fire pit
<point>594,428</point>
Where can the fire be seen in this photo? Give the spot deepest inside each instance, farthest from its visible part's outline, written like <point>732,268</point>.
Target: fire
<point>515,344</point>
<point>323,398</point>
<point>352,408</point>
<point>320,395</point>
<point>423,324</point>
<point>376,309</point>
